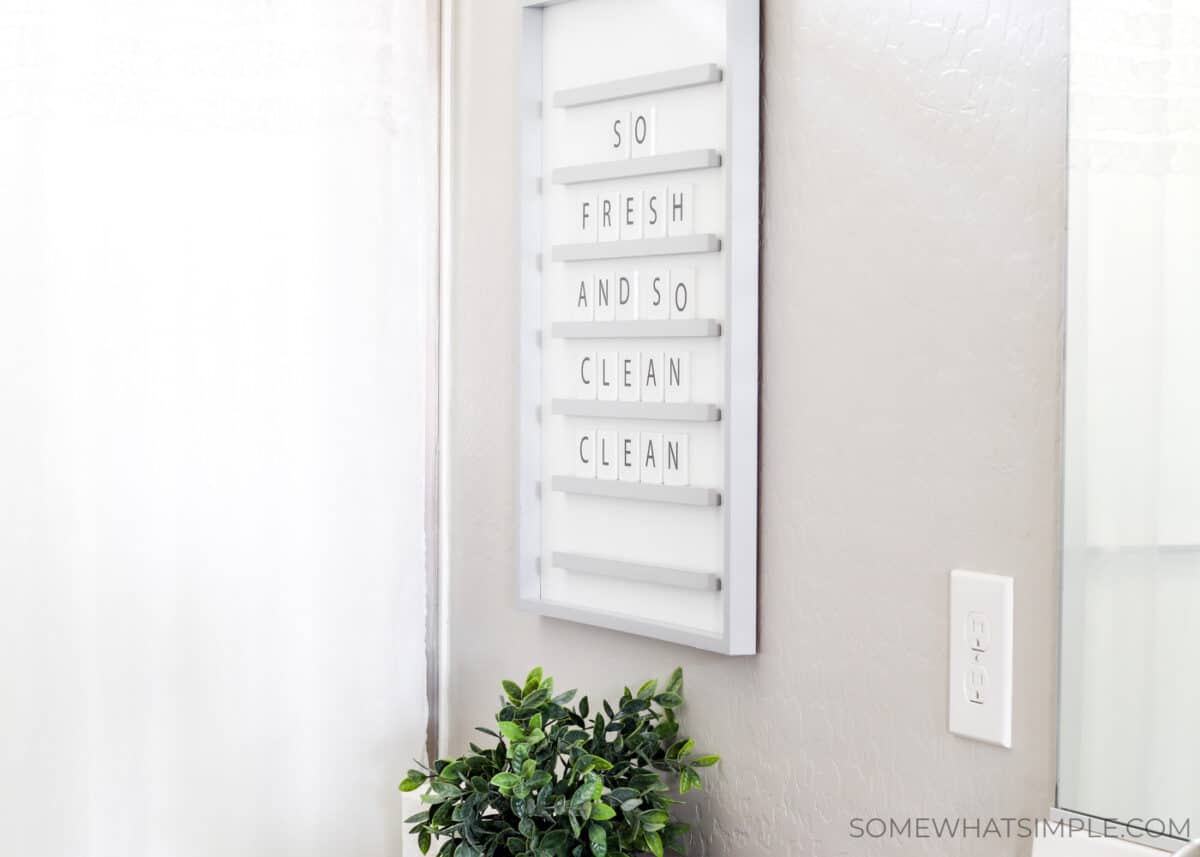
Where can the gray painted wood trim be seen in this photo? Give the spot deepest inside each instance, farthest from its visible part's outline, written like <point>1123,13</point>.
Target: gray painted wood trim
<point>684,495</point>
<point>673,162</point>
<point>678,577</point>
<point>679,245</point>
<point>690,412</point>
<point>643,84</point>
<point>742,184</point>
<point>679,328</point>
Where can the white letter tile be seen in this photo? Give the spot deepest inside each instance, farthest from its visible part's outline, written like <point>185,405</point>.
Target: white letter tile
<point>677,385</point>
<point>609,216</point>
<point>652,376</point>
<point>606,455</point>
<point>606,376</point>
<point>679,210</point>
<point>585,376</point>
<point>654,286</point>
<point>654,213</point>
<point>651,447</point>
<point>628,456</point>
<point>675,459</point>
<point>683,293</point>
<point>585,453</point>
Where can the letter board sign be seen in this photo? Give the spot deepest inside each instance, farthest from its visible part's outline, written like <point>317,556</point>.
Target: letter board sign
<point>638,206</point>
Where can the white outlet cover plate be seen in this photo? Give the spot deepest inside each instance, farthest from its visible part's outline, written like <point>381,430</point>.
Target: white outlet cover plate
<point>981,656</point>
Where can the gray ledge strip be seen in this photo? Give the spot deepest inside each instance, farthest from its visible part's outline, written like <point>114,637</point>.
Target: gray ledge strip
<point>677,577</point>
<point>644,329</point>
<point>685,495</point>
<point>626,624</point>
<point>675,162</point>
<point>703,243</point>
<point>644,84</point>
<point>690,412</point>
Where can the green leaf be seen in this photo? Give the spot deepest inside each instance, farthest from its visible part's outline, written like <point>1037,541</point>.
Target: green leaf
<point>533,680</point>
<point>535,699</point>
<point>602,812</point>
<point>553,840</point>
<point>680,748</point>
<point>654,844</point>
<point>583,707</point>
<point>647,690</point>
<point>667,730</point>
<point>669,700</point>
<point>511,730</point>
<point>598,838</point>
<point>535,722</point>
<point>441,815</point>
<point>413,780</point>
<point>505,780</point>
<point>600,764</point>
<point>445,789</point>
<point>582,795</point>
<point>688,780</point>
<point>423,840</point>
<point>675,682</point>
<point>704,761</point>
<point>512,689</point>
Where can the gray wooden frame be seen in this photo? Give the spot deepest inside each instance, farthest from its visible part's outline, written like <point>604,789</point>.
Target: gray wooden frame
<point>739,498</point>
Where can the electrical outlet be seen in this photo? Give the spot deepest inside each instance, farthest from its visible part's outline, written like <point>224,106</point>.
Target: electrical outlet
<point>981,655</point>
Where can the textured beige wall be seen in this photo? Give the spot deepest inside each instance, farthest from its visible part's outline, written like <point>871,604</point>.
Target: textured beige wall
<point>913,224</point>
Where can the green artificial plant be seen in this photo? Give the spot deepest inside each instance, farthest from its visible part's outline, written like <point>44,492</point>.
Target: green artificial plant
<point>561,781</point>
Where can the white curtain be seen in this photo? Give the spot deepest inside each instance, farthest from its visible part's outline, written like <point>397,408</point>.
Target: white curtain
<point>1131,655</point>
<point>217,244</point>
